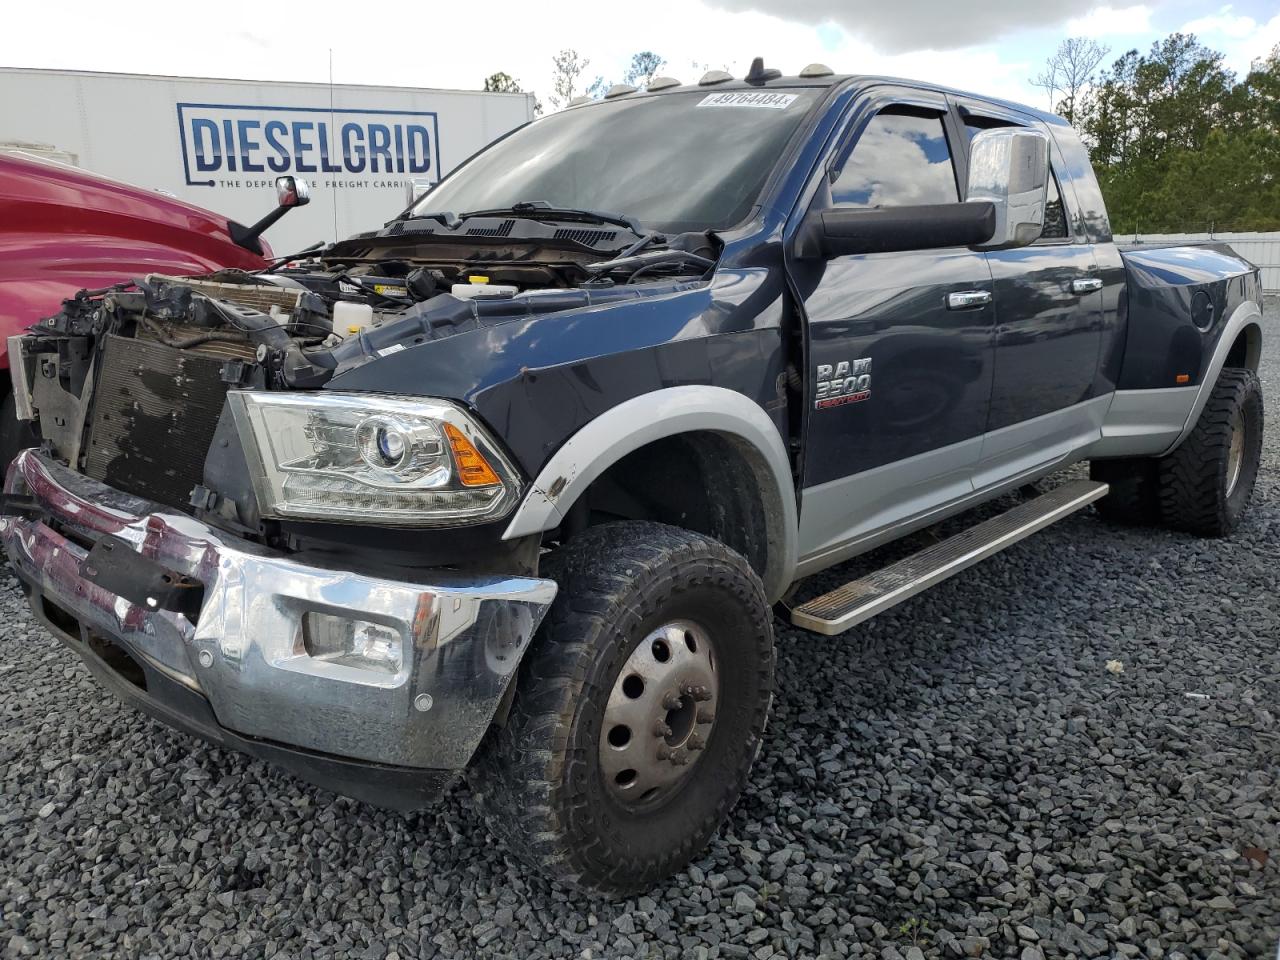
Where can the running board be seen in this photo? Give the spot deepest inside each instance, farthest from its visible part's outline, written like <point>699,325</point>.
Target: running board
<point>859,600</point>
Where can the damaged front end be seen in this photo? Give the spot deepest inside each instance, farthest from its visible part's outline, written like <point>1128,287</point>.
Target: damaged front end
<point>187,391</point>
<point>177,433</point>
<point>311,575</point>
<point>188,435</point>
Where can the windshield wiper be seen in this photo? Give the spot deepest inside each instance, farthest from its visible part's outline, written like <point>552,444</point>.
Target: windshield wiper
<point>541,210</point>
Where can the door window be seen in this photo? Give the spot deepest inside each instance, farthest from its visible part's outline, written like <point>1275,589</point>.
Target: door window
<point>901,159</point>
<point>1055,214</point>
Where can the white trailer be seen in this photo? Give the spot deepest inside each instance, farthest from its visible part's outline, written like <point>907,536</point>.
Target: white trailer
<point>366,151</point>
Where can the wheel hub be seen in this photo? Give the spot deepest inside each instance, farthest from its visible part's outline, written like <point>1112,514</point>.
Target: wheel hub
<point>1235,453</point>
<point>660,714</point>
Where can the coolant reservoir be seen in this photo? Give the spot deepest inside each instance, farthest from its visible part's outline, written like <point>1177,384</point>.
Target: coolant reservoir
<point>481,287</point>
<point>351,318</point>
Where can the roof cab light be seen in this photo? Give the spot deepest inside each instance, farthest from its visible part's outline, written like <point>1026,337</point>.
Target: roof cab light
<point>816,70</point>
<point>662,83</point>
<point>712,77</point>
<point>619,90</point>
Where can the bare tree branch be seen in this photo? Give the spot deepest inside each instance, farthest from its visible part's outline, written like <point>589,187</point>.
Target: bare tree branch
<point>567,66</point>
<point>1069,71</point>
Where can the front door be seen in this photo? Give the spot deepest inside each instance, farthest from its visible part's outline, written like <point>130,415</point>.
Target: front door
<point>900,345</point>
<point>1048,338</point>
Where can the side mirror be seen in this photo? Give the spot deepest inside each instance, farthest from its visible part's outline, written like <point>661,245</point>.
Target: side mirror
<point>290,192</point>
<point>1009,168</point>
<point>416,189</point>
<point>845,232</point>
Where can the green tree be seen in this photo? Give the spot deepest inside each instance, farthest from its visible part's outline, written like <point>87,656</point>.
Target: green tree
<point>1179,144</point>
<point>502,83</point>
<point>644,67</point>
<point>505,83</point>
<point>597,88</point>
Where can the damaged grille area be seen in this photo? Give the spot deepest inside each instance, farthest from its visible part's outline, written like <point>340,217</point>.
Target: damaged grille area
<point>260,296</point>
<point>154,415</point>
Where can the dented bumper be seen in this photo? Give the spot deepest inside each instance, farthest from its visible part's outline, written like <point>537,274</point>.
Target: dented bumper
<point>205,631</point>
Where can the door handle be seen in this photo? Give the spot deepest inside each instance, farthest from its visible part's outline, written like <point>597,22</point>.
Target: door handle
<point>1086,285</point>
<point>967,299</point>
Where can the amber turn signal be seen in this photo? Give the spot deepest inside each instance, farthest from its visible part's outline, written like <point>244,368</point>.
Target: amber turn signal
<point>473,468</point>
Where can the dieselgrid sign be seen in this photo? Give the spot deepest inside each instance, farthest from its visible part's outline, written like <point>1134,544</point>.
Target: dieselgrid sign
<point>378,148</point>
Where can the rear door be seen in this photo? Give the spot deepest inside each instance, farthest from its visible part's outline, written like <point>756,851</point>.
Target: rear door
<point>1048,330</point>
<point>900,344</point>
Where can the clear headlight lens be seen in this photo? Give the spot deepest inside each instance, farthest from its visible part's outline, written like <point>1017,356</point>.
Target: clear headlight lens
<point>361,457</point>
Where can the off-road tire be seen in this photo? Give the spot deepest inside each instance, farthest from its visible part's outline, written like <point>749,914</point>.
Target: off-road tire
<point>1194,477</point>
<point>1134,497</point>
<point>538,777</point>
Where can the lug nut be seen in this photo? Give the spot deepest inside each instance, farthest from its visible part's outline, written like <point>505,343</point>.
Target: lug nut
<point>695,742</point>
<point>706,716</point>
<point>671,701</point>
<point>679,757</point>
<point>661,730</point>
<point>702,694</point>
<point>664,752</point>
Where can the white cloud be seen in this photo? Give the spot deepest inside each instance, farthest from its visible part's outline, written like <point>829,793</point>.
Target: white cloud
<point>407,47</point>
<point>935,24</point>
<point>1223,23</point>
<point>1104,22</point>
<point>1240,38</point>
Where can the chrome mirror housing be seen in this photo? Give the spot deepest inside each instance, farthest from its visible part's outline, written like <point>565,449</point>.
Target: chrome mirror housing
<point>292,192</point>
<point>1009,168</point>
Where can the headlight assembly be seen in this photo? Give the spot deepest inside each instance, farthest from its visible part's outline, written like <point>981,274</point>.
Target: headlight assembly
<point>368,457</point>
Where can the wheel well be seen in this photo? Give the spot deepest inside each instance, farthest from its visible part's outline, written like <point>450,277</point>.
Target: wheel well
<point>1247,348</point>
<point>703,481</point>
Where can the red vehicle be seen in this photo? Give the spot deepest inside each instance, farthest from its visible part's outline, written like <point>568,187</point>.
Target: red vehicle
<point>63,230</point>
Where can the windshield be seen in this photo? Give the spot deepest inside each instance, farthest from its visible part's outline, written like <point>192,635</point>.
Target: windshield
<point>675,162</point>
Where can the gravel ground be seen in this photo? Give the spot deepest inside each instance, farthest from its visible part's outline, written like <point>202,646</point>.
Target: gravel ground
<point>963,776</point>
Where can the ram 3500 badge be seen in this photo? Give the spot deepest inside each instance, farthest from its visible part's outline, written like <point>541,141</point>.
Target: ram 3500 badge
<point>845,383</point>
<point>513,483</point>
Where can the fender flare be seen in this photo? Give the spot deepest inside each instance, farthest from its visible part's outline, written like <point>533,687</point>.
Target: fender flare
<point>665,413</point>
<point>1246,314</point>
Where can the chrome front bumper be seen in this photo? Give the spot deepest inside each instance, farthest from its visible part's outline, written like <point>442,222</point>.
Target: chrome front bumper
<point>463,637</point>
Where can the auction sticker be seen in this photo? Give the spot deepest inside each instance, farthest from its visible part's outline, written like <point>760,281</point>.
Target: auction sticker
<point>746,98</point>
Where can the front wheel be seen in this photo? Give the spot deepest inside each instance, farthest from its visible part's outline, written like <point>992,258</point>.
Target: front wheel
<point>639,708</point>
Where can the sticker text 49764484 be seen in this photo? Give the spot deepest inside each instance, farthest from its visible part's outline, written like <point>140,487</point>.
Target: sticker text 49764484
<point>846,382</point>
<point>748,98</point>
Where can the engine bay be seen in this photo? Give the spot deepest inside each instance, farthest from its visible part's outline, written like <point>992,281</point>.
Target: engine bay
<point>128,384</point>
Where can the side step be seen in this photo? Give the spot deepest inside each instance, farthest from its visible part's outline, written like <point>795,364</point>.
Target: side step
<point>859,600</point>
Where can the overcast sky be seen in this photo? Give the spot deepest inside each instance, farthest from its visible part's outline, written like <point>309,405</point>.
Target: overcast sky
<point>992,47</point>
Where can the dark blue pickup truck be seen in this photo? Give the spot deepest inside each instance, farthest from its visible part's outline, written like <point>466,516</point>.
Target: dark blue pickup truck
<point>518,482</point>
